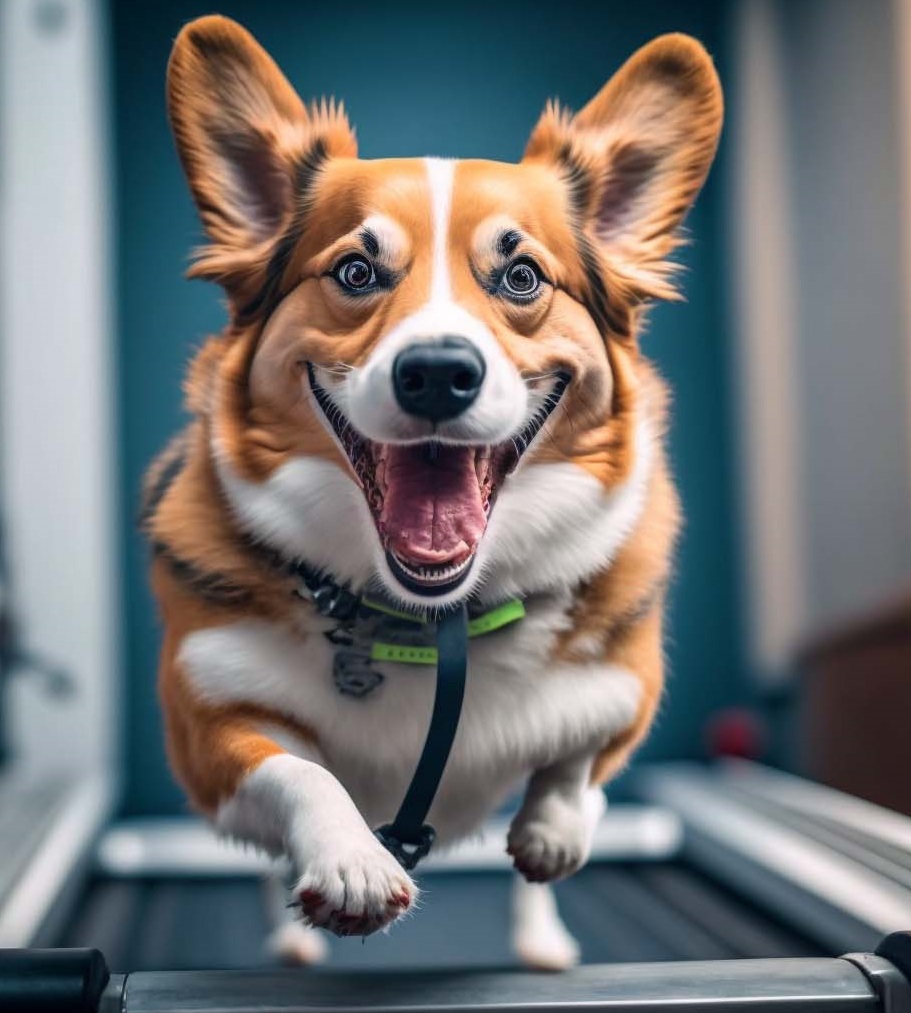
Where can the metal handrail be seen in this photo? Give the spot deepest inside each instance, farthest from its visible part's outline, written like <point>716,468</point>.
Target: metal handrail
<point>65,981</point>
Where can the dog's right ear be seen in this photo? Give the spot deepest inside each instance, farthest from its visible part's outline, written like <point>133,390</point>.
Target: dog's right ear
<point>242,132</point>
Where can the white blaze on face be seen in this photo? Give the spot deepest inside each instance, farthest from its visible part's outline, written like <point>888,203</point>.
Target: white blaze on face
<point>440,172</point>
<point>553,524</point>
<point>368,400</point>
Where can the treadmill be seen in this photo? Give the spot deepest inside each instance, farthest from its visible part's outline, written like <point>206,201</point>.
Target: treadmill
<point>724,886</point>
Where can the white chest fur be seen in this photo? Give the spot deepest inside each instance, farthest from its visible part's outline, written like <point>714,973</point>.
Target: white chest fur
<point>520,713</point>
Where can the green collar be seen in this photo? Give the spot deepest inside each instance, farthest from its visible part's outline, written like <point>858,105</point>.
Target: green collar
<point>368,631</point>
<point>479,624</point>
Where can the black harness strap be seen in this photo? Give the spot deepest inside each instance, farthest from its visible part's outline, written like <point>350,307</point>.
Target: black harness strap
<point>408,837</point>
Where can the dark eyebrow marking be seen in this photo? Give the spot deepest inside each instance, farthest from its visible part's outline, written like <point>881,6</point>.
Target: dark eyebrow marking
<point>371,243</point>
<point>508,241</point>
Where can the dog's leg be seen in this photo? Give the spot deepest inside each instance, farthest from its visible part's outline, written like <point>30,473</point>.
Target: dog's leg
<point>539,938</point>
<point>290,940</point>
<point>240,770</point>
<point>349,883</point>
<point>551,835</point>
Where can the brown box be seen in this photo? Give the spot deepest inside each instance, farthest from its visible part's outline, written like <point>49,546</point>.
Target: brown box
<point>855,715</point>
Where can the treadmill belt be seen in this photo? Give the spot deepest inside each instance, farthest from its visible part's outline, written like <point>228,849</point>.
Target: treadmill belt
<point>635,912</point>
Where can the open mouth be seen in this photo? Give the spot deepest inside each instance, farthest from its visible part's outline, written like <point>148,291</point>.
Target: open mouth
<point>431,501</point>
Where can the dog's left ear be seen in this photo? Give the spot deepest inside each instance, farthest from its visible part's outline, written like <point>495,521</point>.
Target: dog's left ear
<point>637,155</point>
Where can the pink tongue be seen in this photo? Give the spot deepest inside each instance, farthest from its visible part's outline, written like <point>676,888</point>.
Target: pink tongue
<point>432,509</point>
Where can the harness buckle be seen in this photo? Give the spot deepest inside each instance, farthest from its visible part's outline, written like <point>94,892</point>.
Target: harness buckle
<point>406,853</point>
<point>331,600</point>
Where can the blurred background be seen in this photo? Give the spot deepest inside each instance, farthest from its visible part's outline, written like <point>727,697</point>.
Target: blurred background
<point>790,361</point>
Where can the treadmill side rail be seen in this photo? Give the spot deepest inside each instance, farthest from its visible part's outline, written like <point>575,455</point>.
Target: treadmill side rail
<point>890,984</point>
<point>799,985</point>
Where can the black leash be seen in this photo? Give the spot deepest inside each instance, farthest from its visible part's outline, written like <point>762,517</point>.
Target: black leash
<point>408,837</point>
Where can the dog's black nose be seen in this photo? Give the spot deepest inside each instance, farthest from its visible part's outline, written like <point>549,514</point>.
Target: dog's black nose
<point>438,380</point>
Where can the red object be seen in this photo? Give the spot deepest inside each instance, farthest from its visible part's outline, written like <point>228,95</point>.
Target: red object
<point>736,732</point>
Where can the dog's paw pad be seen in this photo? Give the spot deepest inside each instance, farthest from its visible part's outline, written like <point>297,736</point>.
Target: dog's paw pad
<point>361,891</point>
<point>310,900</point>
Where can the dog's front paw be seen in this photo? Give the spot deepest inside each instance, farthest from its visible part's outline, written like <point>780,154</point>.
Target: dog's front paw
<point>356,890</point>
<point>551,836</point>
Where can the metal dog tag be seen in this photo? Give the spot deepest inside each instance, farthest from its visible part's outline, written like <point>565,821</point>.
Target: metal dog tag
<point>353,672</point>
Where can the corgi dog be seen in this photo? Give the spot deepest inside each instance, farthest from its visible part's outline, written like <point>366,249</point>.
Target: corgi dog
<point>429,391</point>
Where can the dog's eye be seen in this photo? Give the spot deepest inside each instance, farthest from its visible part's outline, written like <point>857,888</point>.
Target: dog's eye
<point>522,279</point>
<point>355,273</point>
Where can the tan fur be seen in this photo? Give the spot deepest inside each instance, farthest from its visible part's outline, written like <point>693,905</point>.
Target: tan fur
<point>211,748</point>
<point>244,388</point>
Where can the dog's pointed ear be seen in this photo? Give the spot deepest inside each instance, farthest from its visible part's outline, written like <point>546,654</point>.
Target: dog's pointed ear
<point>637,155</point>
<point>241,131</point>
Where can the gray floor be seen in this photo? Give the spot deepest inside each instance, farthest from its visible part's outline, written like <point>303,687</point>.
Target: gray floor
<point>618,912</point>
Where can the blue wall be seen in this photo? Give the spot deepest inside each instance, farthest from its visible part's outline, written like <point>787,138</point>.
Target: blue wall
<point>461,80</point>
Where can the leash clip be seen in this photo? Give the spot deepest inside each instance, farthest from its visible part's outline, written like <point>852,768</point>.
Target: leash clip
<point>407,853</point>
